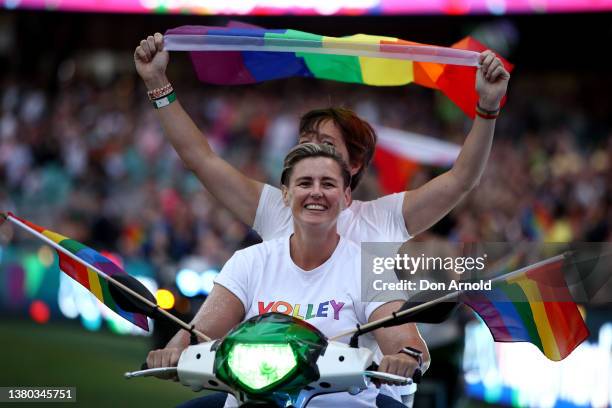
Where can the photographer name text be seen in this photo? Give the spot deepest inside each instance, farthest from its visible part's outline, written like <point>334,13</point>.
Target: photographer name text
<point>424,284</point>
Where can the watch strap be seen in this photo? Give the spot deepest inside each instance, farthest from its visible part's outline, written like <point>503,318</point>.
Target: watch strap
<point>414,353</point>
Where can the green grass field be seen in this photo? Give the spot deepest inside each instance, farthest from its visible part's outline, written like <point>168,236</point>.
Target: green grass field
<point>62,354</point>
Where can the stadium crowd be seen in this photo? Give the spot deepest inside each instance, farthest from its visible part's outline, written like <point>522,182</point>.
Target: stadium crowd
<point>88,158</point>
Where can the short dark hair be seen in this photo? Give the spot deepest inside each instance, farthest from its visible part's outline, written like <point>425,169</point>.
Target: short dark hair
<point>310,150</point>
<point>357,134</point>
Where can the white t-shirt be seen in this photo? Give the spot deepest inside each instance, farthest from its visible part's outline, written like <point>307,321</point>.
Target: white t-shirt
<point>380,220</point>
<point>265,279</point>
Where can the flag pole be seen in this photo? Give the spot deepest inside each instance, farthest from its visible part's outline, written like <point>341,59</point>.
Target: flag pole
<point>524,269</point>
<point>448,297</point>
<point>107,277</point>
<point>445,298</point>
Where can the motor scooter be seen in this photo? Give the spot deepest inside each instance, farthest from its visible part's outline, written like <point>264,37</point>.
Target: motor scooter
<point>275,360</point>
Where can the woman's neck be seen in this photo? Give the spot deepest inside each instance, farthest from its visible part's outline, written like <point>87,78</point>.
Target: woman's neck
<point>310,249</point>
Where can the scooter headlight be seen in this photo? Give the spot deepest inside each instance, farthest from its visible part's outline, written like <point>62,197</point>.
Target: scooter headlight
<point>268,354</point>
<point>259,366</point>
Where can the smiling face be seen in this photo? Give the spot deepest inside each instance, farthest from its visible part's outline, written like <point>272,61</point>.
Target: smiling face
<point>327,133</point>
<point>316,192</point>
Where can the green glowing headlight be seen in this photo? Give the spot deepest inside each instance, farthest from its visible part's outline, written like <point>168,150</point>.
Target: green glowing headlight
<point>270,357</point>
<point>260,365</point>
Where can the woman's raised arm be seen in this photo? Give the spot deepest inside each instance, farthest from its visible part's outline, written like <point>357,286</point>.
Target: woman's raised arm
<point>233,189</point>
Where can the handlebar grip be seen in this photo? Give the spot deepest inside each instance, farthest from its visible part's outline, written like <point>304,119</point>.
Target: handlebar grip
<point>417,376</point>
<point>144,366</point>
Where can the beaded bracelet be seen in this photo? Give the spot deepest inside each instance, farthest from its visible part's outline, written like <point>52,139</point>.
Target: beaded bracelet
<point>160,92</point>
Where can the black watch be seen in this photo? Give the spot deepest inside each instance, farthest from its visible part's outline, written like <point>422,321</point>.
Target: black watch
<point>414,353</point>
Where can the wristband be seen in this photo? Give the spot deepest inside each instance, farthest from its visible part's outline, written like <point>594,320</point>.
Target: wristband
<point>486,114</point>
<point>164,100</point>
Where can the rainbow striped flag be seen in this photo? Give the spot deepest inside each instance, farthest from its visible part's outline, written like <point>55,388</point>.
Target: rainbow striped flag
<point>79,268</point>
<point>245,54</point>
<point>534,306</point>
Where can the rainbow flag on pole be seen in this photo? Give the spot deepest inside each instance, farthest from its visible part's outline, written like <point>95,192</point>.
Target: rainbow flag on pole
<point>535,306</point>
<point>245,54</point>
<point>84,265</point>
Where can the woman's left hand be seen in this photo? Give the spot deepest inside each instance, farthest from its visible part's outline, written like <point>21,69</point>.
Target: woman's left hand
<point>491,81</point>
<point>398,364</point>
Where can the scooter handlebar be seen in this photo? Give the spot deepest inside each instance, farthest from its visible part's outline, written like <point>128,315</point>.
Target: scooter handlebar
<point>417,376</point>
<point>151,372</point>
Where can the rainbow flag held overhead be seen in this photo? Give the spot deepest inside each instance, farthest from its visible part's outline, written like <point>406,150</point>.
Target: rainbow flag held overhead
<point>81,270</point>
<point>534,306</point>
<point>244,54</point>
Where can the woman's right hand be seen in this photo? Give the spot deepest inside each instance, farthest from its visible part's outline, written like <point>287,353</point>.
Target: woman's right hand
<point>166,357</point>
<point>151,61</point>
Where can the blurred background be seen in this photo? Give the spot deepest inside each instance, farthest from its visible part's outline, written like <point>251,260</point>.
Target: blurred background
<point>82,154</point>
